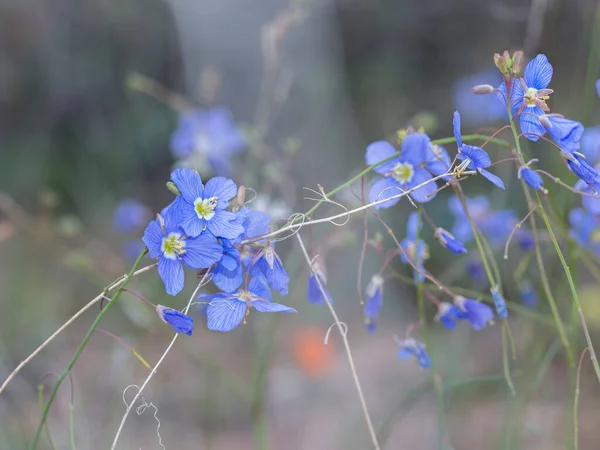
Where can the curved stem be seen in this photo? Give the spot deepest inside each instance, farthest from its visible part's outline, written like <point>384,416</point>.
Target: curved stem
<point>79,350</point>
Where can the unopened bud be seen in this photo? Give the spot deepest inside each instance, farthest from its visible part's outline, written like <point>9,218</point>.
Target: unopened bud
<point>503,63</point>
<point>173,188</point>
<point>517,63</point>
<point>482,89</point>
<point>240,199</point>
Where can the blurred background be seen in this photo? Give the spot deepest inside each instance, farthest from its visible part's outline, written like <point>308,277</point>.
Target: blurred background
<point>91,94</point>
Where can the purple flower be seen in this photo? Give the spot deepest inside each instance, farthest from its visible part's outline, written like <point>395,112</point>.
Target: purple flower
<point>474,158</point>
<point>401,173</point>
<point>204,207</point>
<point>226,311</point>
<point>178,320</point>
<point>209,134</point>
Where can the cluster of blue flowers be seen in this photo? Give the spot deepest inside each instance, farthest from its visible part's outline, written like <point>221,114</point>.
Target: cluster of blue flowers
<point>207,226</point>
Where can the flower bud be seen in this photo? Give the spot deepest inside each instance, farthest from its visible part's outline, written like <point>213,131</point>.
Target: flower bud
<point>173,188</point>
<point>178,320</point>
<point>482,89</point>
<point>517,63</point>
<point>499,302</point>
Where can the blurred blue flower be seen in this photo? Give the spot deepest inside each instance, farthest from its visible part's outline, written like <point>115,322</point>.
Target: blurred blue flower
<point>130,215</point>
<point>448,241</point>
<point>401,173</point>
<point>565,132</point>
<point>171,247</point>
<point>590,203</point>
<point>132,249</point>
<point>373,302</point>
<point>478,110</point>
<point>313,292</point>
<point>528,295</point>
<point>583,170</point>
<point>411,348</point>
<point>584,229</point>
<point>415,251</point>
<point>499,302</point>
<point>590,144</point>
<point>204,207</point>
<point>226,311</point>
<point>495,225</point>
<point>268,263</point>
<point>448,314</point>
<point>530,100</point>
<point>437,161</point>
<point>478,314</point>
<point>474,158</point>
<point>209,133</point>
<point>178,320</point>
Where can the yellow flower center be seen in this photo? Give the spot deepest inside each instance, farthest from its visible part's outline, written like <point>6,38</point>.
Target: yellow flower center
<point>403,172</point>
<point>173,246</point>
<point>205,209</point>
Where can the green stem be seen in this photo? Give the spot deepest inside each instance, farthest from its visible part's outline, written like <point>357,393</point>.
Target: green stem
<point>46,427</point>
<point>83,344</point>
<point>72,426</point>
<point>573,289</point>
<point>436,378</point>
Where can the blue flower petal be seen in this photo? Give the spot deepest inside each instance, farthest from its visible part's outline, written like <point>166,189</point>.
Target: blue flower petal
<point>202,252</point>
<point>491,177</point>
<point>413,225</point>
<point>180,322</point>
<point>565,132</point>
<point>478,155</point>
<point>222,188</point>
<point>256,224</point>
<point>378,151</point>
<point>406,353</point>
<point>189,184</point>
<point>531,127</point>
<point>226,279</point>
<point>456,127</point>
<point>313,292</point>
<point>478,314</point>
<point>538,72</point>
<point>263,306</point>
<point>153,237</point>
<point>224,314</point>
<point>385,188</point>
<point>171,272</point>
<point>223,224</point>
<point>414,148</point>
<point>532,178</point>
<point>426,192</point>
<point>259,287</point>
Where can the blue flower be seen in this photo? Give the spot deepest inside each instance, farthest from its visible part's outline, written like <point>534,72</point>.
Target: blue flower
<point>590,203</point>
<point>584,229</point>
<point>590,144</point>
<point>209,134</point>
<point>532,178</point>
<point>373,302</point>
<point>475,158</point>
<point>204,207</point>
<point>130,215</point>
<point>582,169</point>
<point>401,173</point>
<point>478,110</point>
<point>495,225</point>
<point>565,132</point>
<point>437,161</point>
<point>313,292</point>
<point>528,295</point>
<point>499,302</point>
<point>268,263</point>
<point>528,97</point>
<point>411,348</point>
<point>598,88</point>
<point>227,274</point>
<point>448,314</point>
<point>166,241</point>
<point>226,311</point>
<point>415,251</point>
<point>178,320</point>
<point>478,314</point>
<point>448,241</point>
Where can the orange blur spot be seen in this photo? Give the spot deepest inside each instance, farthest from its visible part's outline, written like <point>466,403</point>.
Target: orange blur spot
<point>311,353</point>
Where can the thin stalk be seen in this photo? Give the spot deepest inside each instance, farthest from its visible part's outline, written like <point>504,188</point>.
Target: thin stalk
<point>41,405</point>
<point>592,71</point>
<point>72,426</point>
<point>83,344</point>
<point>436,377</point>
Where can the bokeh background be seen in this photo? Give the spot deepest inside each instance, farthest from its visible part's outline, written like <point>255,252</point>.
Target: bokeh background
<point>90,93</point>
